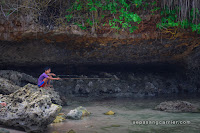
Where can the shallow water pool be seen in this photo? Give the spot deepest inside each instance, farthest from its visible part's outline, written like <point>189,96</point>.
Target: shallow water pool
<point>127,112</point>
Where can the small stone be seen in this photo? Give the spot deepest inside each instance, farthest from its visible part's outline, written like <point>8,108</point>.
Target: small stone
<point>117,90</point>
<point>87,90</point>
<point>74,114</point>
<point>71,131</point>
<point>55,132</point>
<point>90,84</point>
<point>109,113</point>
<point>77,87</point>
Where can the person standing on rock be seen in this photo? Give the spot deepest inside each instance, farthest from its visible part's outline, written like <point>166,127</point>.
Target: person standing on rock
<point>45,78</point>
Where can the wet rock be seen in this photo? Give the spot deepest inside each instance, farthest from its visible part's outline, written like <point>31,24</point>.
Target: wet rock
<point>7,87</point>
<point>4,131</point>
<point>78,113</point>
<point>90,84</point>
<point>131,76</point>
<point>71,131</point>
<point>104,90</point>
<point>18,78</point>
<point>60,118</point>
<point>87,90</point>
<point>77,88</point>
<point>29,108</point>
<point>150,89</point>
<point>109,113</point>
<point>74,114</point>
<point>177,106</point>
<point>117,90</point>
<point>150,86</point>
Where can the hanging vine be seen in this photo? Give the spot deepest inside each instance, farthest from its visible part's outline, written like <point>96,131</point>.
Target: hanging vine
<point>180,13</point>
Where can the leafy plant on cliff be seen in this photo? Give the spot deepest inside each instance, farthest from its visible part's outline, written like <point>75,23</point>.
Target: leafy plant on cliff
<point>170,19</point>
<point>90,13</point>
<point>183,14</point>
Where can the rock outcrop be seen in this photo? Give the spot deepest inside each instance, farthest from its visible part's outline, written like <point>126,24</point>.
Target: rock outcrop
<point>29,108</point>
<point>7,86</point>
<point>55,97</point>
<point>10,81</point>
<point>177,106</point>
<point>18,78</point>
<point>129,85</point>
<point>72,49</point>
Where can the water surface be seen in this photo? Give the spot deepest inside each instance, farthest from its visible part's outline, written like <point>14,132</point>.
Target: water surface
<point>126,111</point>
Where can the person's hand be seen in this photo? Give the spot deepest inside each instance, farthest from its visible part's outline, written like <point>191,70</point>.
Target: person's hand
<point>58,78</point>
<point>53,74</point>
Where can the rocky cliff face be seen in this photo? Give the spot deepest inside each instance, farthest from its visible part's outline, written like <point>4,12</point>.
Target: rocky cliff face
<point>125,85</point>
<point>25,42</point>
<point>82,50</point>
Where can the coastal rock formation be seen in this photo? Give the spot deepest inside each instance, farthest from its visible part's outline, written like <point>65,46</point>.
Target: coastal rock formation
<point>7,86</point>
<point>18,78</point>
<point>10,81</point>
<point>177,106</point>
<point>78,113</point>
<point>55,98</point>
<point>28,108</point>
<point>128,85</point>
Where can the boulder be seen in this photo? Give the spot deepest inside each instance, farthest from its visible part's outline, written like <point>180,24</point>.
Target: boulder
<point>18,78</point>
<point>7,87</point>
<point>78,113</point>
<point>12,79</point>
<point>55,97</point>
<point>177,106</point>
<point>29,108</point>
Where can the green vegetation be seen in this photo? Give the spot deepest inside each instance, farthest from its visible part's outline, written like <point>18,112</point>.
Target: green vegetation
<point>123,14</point>
<point>170,19</point>
<point>117,14</point>
<point>92,12</point>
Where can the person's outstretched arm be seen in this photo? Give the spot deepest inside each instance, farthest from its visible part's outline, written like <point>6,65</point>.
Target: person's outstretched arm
<point>51,74</point>
<point>51,78</point>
